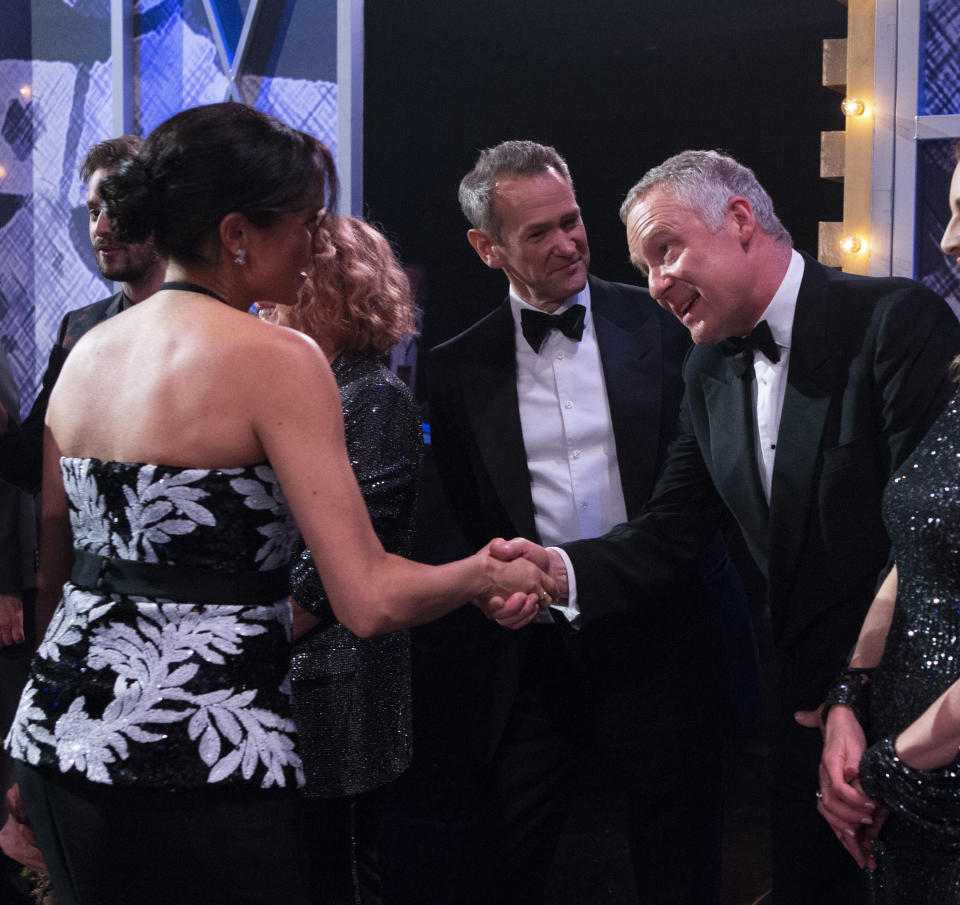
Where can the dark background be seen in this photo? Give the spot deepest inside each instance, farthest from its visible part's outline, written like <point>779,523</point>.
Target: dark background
<point>615,85</point>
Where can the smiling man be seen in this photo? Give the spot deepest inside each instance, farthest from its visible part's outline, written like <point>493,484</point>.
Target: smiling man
<point>138,269</point>
<point>550,419</point>
<point>805,391</point>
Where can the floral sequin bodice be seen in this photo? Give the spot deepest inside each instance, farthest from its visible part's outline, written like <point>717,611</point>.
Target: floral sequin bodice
<point>130,690</point>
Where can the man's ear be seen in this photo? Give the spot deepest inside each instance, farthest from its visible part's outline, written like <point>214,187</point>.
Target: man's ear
<point>484,246</point>
<point>744,219</point>
<point>233,232</point>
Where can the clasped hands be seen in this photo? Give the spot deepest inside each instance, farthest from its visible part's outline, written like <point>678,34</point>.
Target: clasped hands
<point>853,817</point>
<point>522,561</point>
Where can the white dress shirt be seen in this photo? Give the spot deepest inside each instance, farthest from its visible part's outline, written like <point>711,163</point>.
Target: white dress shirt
<point>567,432</point>
<point>771,378</point>
<point>768,392</point>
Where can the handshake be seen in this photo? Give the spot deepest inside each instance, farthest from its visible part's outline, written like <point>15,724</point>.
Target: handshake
<point>525,578</point>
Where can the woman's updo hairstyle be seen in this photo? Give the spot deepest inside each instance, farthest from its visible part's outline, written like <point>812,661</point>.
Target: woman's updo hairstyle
<point>207,162</point>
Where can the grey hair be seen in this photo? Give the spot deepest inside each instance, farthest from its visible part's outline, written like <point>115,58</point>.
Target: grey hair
<point>509,158</point>
<point>705,181</point>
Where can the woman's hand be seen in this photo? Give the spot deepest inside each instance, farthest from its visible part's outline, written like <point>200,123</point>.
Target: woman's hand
<point>851,814</point>
<point>16,838</point>
<point>303,621</point>
<point>515,590</point>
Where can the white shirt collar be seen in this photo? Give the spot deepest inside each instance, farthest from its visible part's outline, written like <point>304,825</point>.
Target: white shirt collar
<point>779,313</point>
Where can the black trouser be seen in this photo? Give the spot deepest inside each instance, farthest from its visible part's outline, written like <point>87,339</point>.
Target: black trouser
<point>122,846</point>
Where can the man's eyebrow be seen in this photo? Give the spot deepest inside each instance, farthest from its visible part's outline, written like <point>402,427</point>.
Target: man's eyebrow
<point>572,214</point>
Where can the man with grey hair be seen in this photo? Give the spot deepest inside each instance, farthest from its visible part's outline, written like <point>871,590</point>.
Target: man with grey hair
<point>805,391</point>
<point>550,418</point>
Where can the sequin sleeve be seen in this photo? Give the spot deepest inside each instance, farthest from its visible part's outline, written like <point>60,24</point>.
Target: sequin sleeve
<point>384,444</point>
<point>928,798</point>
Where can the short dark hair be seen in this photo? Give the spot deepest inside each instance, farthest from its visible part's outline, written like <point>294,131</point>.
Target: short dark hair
<point>109,154</point>
<point>509,158</point>
<point>206,162</point>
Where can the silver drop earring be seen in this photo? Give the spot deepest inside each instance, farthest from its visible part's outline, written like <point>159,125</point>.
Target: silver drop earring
<point>241,256</point>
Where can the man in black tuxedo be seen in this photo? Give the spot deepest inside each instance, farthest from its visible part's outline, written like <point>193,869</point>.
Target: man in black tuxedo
<point>794,427</point>
<point>139,270</point>
<point>551,418</point>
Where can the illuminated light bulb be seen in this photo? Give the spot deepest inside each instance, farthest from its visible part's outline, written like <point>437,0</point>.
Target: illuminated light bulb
<point>853,245</point>
<point>26,92</point>
<point>852,106</point>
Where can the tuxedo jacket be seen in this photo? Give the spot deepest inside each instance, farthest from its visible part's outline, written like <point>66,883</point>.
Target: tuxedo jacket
<point>868,373</point>
<point>478,448</point>
<point>21,449</point>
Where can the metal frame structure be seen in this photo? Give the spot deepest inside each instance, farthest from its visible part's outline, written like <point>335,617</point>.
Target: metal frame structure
<point>349,80</point>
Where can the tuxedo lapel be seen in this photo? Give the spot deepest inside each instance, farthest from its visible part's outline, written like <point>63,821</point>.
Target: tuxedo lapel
<point>806,403</point>
<point>629,339</point>
<point>490,397</point>
<point>733,460</point>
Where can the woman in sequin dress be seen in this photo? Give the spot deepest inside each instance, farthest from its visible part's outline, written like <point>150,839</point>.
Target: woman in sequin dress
<point>351,696</point>
<point>155,747</point>
<point>890,774</point>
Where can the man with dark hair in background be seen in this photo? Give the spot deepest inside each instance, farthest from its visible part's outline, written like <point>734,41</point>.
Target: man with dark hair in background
<point>139,270</point>
<point>551,417</point>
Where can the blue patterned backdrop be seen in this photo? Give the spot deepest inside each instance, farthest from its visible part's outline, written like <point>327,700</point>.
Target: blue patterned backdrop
<point>56,102</point>
<point>935,163</point>
<point>939,94</point>
<point>940,70</point>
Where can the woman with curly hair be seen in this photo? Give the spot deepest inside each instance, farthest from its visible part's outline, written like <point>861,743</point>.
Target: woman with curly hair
<point>351,696</point>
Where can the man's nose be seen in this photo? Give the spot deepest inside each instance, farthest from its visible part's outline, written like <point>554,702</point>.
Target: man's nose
<point>103,225</point>
<point>658,283</point>
<point>566,245</point>
<point>950,243</point>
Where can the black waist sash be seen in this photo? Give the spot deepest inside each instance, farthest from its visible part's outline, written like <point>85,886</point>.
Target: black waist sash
<point>187,584</point>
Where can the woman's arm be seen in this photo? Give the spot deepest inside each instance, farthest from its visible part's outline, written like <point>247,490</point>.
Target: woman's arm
<point>297,417</point>
<point>933,739</point>
<point>842,802</point>
<point>56,538</point>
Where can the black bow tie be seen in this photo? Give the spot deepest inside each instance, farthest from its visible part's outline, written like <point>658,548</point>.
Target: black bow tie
<point>537,324</point>
<point>741,348</point>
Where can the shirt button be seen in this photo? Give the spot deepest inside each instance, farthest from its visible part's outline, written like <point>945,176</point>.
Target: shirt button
<point>568,404</point>
<point>559,356</point>
<point>576,454</point>
<point>584,505</point>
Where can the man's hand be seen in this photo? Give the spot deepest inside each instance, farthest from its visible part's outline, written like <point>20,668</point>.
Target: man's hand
<point>519,587</point>
<point>4,420</point>
<point>11,619</point>
<point>842,802</point>
<point>548,560</point>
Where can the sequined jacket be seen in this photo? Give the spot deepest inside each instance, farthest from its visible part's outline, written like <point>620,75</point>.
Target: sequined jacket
<point>351,696</point>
